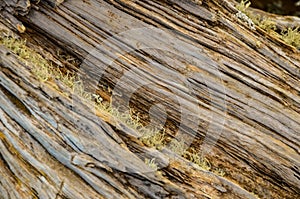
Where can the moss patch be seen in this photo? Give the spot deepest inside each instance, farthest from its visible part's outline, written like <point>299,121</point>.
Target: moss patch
<point>290,36</point>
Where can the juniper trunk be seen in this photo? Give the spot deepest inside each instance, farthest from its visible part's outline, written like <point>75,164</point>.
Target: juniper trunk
<point>228,92</point>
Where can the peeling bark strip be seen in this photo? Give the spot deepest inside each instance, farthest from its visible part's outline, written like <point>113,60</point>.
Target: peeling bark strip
<point>193,66</point>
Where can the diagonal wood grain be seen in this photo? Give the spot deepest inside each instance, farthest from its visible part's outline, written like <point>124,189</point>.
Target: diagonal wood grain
<point>198,61</point>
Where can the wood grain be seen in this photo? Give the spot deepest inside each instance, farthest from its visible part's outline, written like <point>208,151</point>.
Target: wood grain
<point>216,83</point>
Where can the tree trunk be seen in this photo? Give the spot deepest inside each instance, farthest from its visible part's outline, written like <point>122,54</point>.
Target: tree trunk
<point>191,70</point>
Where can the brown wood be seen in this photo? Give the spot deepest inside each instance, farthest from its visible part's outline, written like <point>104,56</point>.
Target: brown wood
<point>233,91</point>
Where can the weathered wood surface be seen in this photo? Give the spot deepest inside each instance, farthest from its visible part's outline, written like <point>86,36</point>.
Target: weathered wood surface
<point>53,149</point>
<point>214,76</point>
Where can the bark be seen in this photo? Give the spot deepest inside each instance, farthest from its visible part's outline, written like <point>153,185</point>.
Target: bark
<point>228,91</point>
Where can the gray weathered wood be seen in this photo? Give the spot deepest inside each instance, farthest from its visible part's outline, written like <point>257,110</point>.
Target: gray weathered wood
<point>215,76</point>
